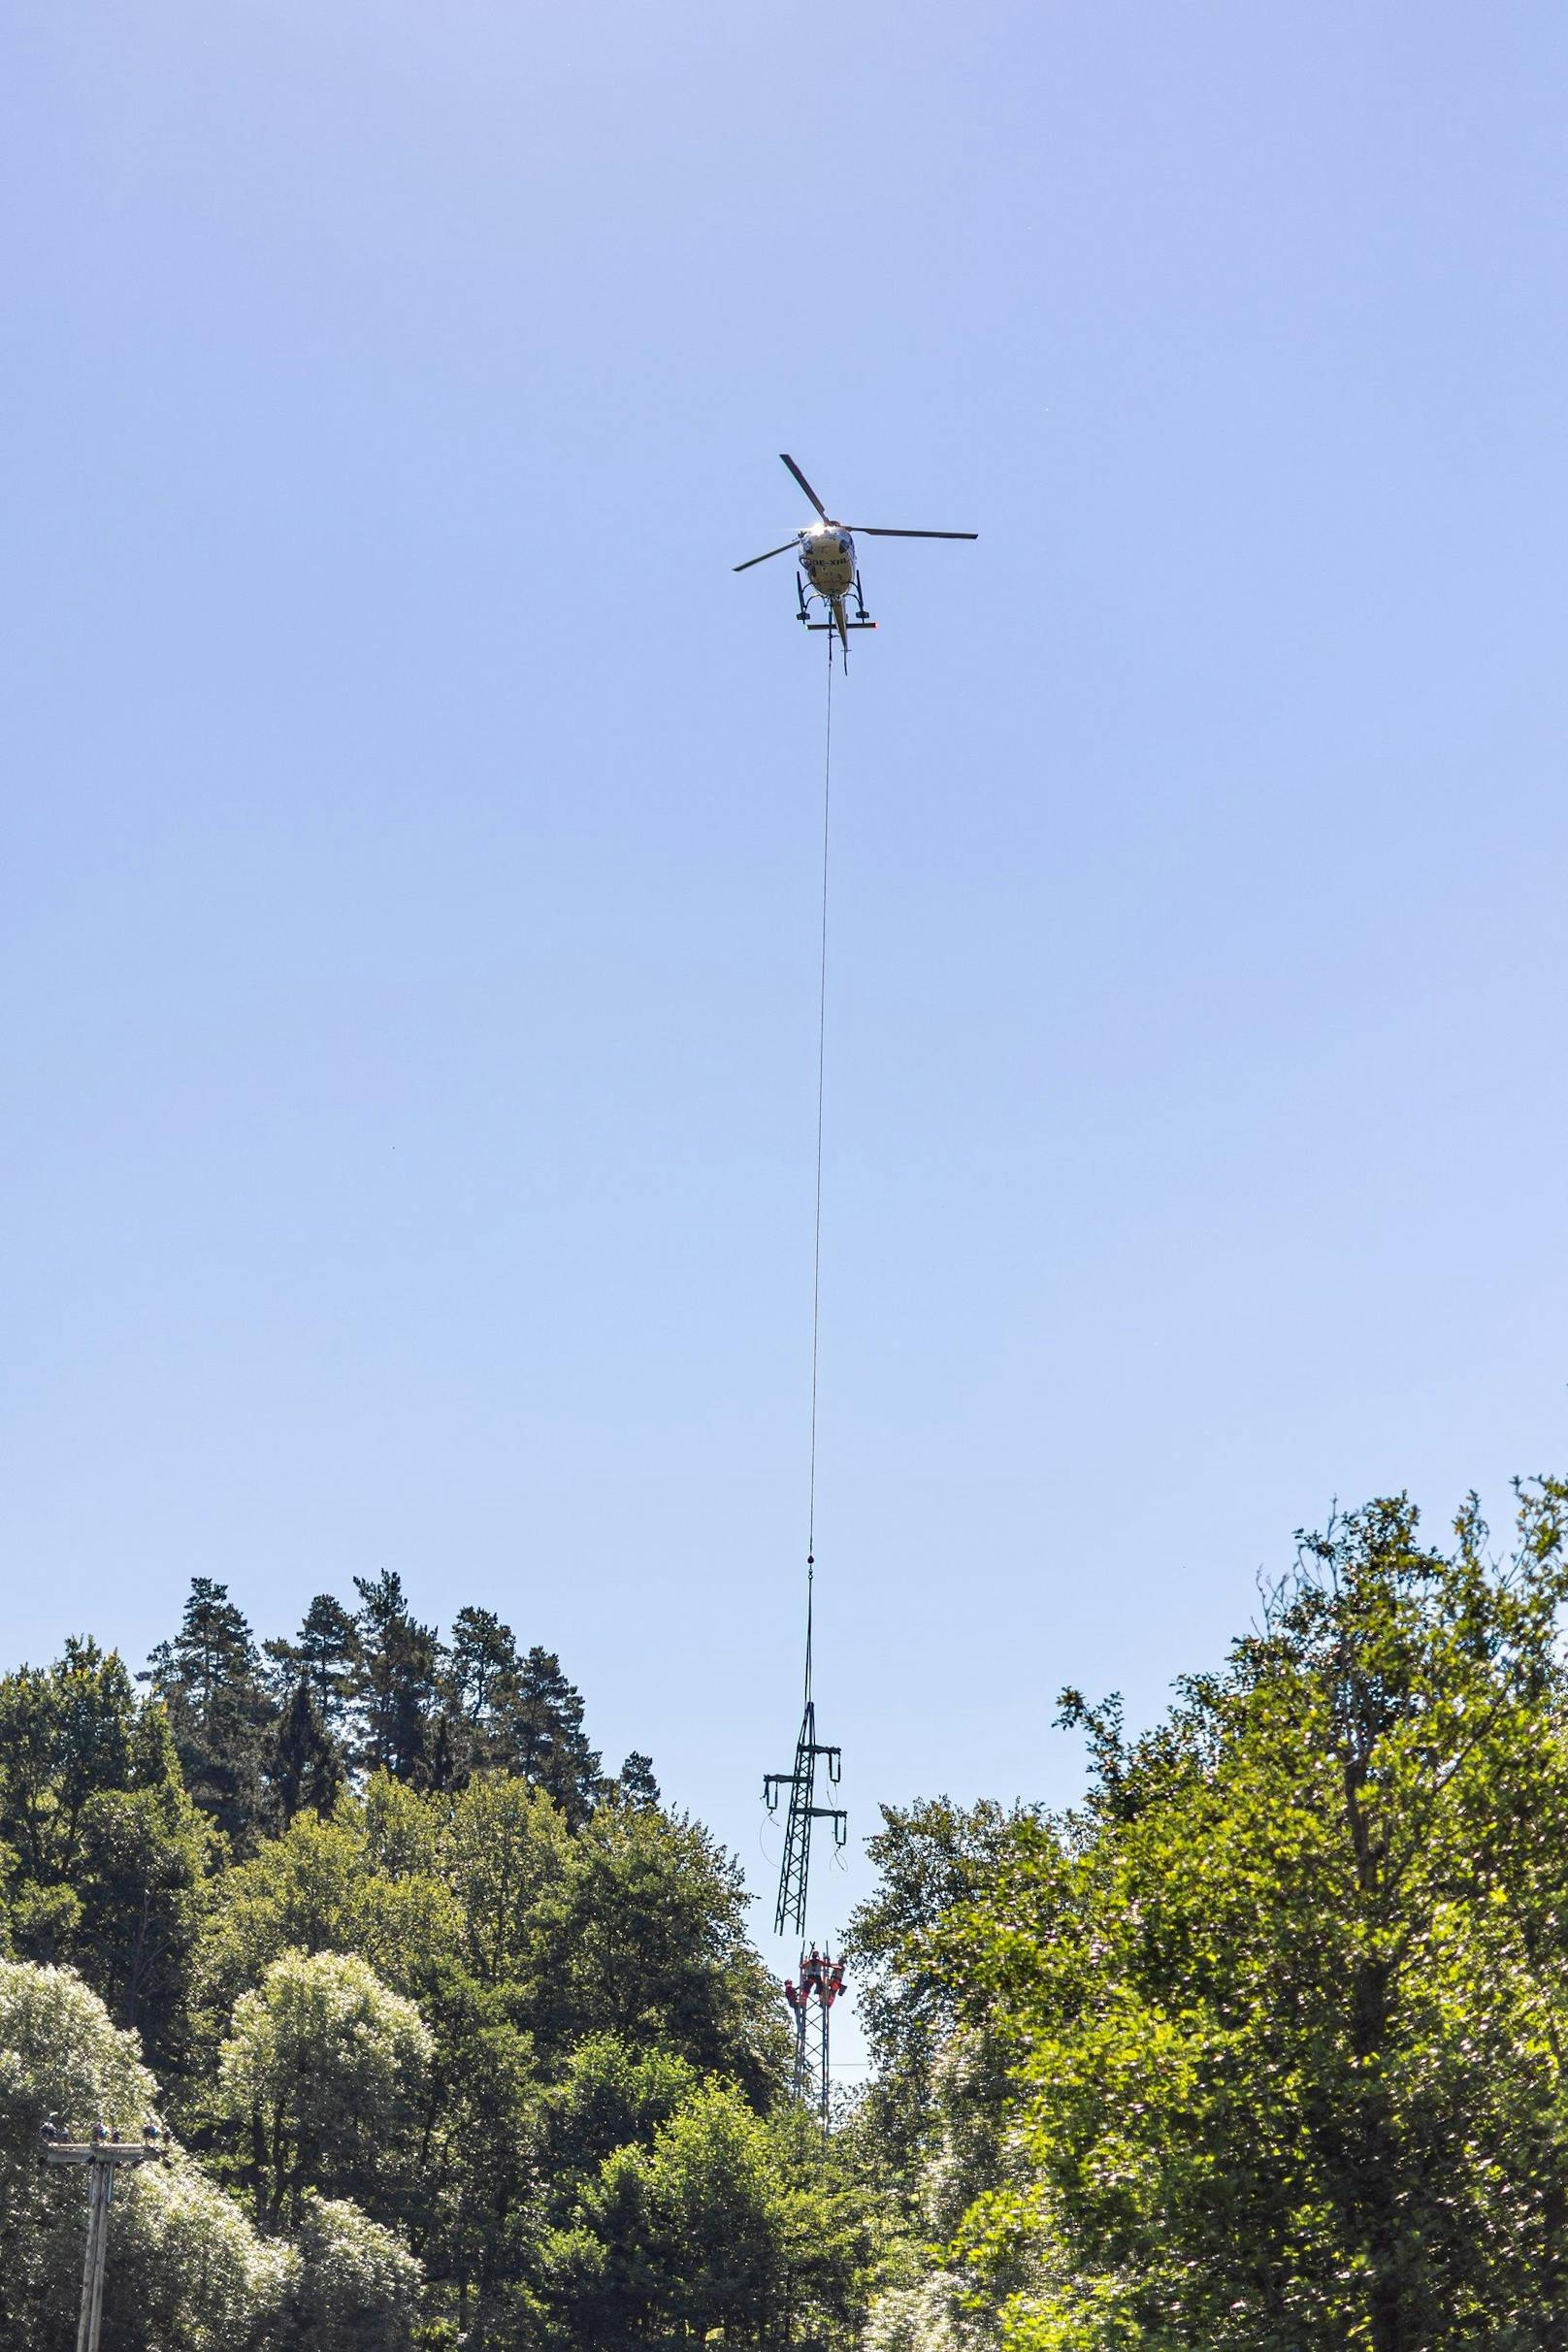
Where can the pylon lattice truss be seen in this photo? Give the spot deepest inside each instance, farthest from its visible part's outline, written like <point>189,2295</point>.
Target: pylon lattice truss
<point>820,1977</point>
<point>794,1870</point>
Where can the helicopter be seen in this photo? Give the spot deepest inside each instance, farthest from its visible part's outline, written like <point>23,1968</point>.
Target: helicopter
<point>825,556</point>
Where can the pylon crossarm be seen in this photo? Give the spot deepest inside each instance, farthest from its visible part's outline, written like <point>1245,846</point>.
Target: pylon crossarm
<point>101,2157</point>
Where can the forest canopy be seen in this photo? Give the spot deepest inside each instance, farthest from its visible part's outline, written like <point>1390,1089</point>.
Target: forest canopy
<point>1258,2048</point>
<point>460,2038</point>
<point>1261,2049</point>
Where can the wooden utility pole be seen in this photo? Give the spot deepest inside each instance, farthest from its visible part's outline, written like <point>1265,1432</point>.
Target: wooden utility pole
<point>103,2155</point>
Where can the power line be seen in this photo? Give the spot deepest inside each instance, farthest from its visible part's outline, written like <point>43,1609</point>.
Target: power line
<point>821,1978</point>
<point>816,1228</point>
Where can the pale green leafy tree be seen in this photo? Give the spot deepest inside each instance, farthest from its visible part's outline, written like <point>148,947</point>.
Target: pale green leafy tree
<point>504,1846</point>
<point>321,1887</point>
<point>190,2269</point>
<point>187,2271</point>
<point>319,2082</point>
<point>356,2289</point>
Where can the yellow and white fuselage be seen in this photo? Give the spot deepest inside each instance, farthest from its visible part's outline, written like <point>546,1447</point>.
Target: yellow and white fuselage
<point>827,565</point>
<point>828,560</point>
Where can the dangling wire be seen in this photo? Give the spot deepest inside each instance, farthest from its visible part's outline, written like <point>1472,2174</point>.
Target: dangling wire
<point>816,1240</point>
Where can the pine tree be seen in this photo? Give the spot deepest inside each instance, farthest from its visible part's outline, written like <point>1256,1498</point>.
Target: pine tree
<point>544,1737</point>
<point>481,1662</point>
<point>637,1784</point>
<point>209,1680</point>
<point>306,1767</point>
<point>448,1763</point>
<point>397,1680</point>
<point>478,1686</point>
<point>325,1653</point>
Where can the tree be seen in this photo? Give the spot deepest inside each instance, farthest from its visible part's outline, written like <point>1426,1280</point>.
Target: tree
<point>930,1858</point>
<point>728,2225</point>
<point>505,1854</point>
<point>478,1687</point>
<point>209,1680</point>
<point>324,1654</point>
<point>109,1852</point>
<point>319,2081</point>
<point>646,1933</point>
<point>307,1768</point>
<point>326,1886</point>
<point>636,1785</point>
<point>544,1737</point>
<point>413,2006</point>
<point>187,2271</point>
<point>610,2096</point>
<point>65,1732</point>
<point>312,1680</point>
<point>475,2213</point>
<point>397,1682</point>
<point>141,1884</point>
<point>1285,2004</point>
<point>355,2288</point>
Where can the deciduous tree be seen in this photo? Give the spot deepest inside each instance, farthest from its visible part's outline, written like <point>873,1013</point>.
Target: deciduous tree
<point>1284,2004</point>
<point>319,2082</point>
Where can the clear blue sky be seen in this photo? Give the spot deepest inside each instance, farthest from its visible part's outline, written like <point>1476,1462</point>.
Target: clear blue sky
<point>410,832</point>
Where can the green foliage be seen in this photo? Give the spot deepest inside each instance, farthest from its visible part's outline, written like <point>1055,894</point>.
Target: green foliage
<point>325,1658</point>
<point>929,1857</point>
<point>420,1986</point>
<point>396,1689</point>
<point>479,1683</point>
<point>728,2223</point>
<point>319,2082</point>
<point>209,1680</point>
<point>648,1936</point>
<point>319,1889</point>
<point>473,2212</point>
<point>1261,2050</point>
<point>577,1989</point>
<point>1284,2007</point>
<point>108,1855</point>
<point>65,1734</point>
<point>635,1784</point>
<point>504,1853</point>
<point>188,2272</point>
<point>545,1742</point>
<point>307,1767</point>
<point>610,2097</point>
<point>139,1883</point>
<point>355,2288</point>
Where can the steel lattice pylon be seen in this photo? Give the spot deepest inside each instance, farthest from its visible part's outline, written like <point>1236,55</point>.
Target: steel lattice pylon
<point>796,1867</point>
<point>821,1976</point>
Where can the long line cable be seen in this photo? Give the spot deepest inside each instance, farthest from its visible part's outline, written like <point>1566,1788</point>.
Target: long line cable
<point>816,1236</point>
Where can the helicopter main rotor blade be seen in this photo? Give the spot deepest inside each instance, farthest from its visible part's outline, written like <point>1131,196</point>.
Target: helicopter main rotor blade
<point>768,557</point>
<point>876,530</point>
<point>806,486</point>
